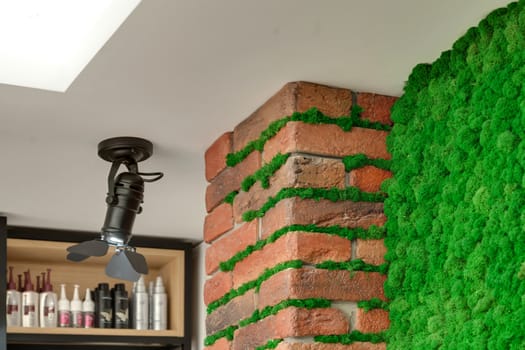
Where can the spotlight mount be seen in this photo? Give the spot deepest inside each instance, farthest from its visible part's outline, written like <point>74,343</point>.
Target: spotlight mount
<point>124,199</point>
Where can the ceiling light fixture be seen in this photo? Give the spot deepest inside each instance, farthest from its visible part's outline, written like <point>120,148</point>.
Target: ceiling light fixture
<point>46,44</point>
<point>125,195</point>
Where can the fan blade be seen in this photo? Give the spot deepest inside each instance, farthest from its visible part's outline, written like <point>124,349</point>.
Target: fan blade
<point>76,257</point>
<point>120,267</point>
<point>95,247</point>
<point>138,261</point>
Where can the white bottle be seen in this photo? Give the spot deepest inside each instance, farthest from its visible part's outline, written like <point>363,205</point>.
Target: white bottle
<point>160,306</point>
<point>88,310</point>
<point>48,304</point>
<point>29,303</point>
<point>13,303</point>
<point>76,309</point>
<point>140,306</point>
<point>151,288</point>
<point>64,319</point>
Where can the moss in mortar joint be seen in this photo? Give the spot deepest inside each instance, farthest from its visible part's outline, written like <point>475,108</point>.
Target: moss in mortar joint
<point>230,197</point>
<point>332,194</point>
<point>354,336</point>
<point>271,344</point>
<point>265,172</point>
<point>312,116</point>
<point>372,304</point>
<point>360,160</point>
<point>225,333</point>
<point>373,232</point>
<point>353,265</point>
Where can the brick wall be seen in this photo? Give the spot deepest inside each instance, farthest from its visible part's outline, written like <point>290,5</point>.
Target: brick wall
<point>286,277</point>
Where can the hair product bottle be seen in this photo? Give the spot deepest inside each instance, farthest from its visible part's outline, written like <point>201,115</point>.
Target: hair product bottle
<point>160,306</point>
<point>29,303</point>
<point>48,304</point>
<point>76,309</point>
<point>103,306</point>
<point>151,289</point>
<point>13,302</point>
<point>120,306</point>
<point>88,310</point>
<point>64,318</point>
<point>140,306</point>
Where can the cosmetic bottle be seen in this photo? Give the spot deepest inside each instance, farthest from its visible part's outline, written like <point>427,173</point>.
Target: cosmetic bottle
<point>38,288</point>
<point>64,317</point>
<point>140,315</point>
<point>151,288</point>
<point>20,285</point>
<point>76,309</point>
<point>13,302</point>
<point>29,303</point>
<point>120,306</point>
<point>88,310</point>
<point>103,307</point>
<point>48,303</point>
<point>160,306</point>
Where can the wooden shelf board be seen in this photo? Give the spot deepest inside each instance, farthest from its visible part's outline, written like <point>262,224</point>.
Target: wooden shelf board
<point>93,331</point>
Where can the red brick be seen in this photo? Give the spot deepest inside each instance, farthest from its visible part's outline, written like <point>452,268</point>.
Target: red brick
<point>237,309</point>
<point>293,97</point>
<point>220,344</point>
<point>299,171</point>
<point>328,140</point>
<point>369,178</point>
<point>230,180</point>
<point>215,155</point>
<point>309,247</point>
<point>329,346</point>
<point>218,285</point>
<point>291,322</point>
<point>220,220</point>
<point>373,321</point>
<point>372,251</point>
<point>323,213</point>
<point>228,245</point>
<point>317,283</point>
<point>376,108</point>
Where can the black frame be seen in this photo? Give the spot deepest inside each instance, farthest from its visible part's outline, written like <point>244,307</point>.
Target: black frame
<point>89,342</point>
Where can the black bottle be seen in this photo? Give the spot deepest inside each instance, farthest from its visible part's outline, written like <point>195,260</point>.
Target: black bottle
<point>103,306</point>
<point>120,306</point>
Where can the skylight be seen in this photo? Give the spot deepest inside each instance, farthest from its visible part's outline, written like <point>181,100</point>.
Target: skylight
<point>45,44</point>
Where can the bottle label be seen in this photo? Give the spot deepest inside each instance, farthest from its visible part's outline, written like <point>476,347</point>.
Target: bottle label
<point>77,319</point>
<point>89,320</point>
<point>12,309</point>
<point>64,319</point>
<point>49,311</point>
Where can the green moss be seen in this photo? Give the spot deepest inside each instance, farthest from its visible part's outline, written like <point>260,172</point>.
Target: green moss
<point>271,344</point>
<point>265,172</point>
<point>331,194</point>
<point>455,204</point>
<point>373,232</point>
<point>293,264</point>
<point>353,265</point>
<point>354,336</point>
<point>272,310</point>
<point>230,197</point>
<point>361,160</point>
<point>374,303</point>
<point>225,333</point>
<point>312,116</point>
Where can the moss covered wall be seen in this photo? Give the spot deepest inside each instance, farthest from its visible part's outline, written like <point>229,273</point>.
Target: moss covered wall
<point>456,206</point>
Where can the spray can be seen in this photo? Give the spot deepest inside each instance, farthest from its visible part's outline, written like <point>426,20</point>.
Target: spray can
<point>140,306</point>
<point>88,310</point>
<point>103,306</point>
<point>120,306</point>
<point>151,289</point>
<point>29,303</point>
<point>13,302</point>
<point>160,306</point>
<point>76,309</point>
<point>48,303</point>
<point>64,317</point>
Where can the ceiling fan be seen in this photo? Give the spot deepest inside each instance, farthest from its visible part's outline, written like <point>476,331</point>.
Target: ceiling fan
<point>124,199</point>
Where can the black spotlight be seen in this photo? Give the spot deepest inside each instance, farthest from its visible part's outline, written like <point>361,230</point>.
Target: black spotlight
<point>125,195</point>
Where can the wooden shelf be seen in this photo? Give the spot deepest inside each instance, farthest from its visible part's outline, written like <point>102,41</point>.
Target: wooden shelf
<point>39,249</point>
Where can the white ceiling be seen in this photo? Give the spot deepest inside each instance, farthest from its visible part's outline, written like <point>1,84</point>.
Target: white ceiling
<point>182,72</point>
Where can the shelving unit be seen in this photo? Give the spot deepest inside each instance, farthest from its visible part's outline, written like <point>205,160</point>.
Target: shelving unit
<point>38,249</point>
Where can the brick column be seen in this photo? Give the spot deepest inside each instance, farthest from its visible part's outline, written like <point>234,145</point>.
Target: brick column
<point>294,224</point>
